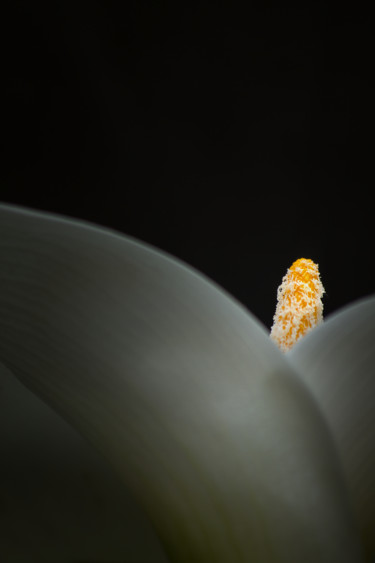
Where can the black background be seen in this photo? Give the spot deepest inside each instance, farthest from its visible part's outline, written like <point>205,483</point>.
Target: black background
<point>237,139</point>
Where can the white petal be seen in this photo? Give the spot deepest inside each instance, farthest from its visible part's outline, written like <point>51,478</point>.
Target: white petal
<point>337,362</point>
<point>59,499</point>
<point>180,387</point>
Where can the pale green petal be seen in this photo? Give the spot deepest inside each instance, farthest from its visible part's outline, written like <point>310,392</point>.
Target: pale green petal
<point>337,362</point>
<point>180,387</point>
<point>60,501</point>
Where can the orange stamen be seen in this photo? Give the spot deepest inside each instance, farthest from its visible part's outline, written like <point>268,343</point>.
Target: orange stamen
<point>299,304</point>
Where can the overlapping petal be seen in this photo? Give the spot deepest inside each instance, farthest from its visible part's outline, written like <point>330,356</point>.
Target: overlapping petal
<point>337,362</point>
<point>60,500</point>
<point>180,388</point>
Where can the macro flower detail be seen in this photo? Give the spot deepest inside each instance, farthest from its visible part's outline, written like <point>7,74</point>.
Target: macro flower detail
<point>234,451</point>
<point>299,304</point>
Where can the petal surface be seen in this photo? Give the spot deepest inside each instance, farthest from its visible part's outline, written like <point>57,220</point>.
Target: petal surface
<point>337,362</point>
<point>179,387</point>
<point>60,500</point>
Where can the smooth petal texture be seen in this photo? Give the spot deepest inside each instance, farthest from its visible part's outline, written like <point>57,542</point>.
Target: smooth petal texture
<point>180,387</point>
<point>337,362</point>
<point>60,501</point>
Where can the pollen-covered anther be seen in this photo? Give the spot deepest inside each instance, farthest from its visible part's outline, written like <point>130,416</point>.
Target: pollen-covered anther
<point>299,303</point>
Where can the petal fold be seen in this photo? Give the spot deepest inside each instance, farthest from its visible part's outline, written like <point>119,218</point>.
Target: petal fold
<point>60,500</point>
<point>179,387</point>
<point>337,363</point>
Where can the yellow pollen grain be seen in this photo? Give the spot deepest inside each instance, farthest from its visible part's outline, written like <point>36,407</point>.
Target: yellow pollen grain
<point>299,304</point>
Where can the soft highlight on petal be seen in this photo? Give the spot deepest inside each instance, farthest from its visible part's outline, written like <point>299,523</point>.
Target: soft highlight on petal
<point>180,387</point>
<point>337,362</point>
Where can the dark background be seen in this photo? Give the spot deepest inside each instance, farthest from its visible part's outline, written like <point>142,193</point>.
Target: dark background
<point>237,139</point>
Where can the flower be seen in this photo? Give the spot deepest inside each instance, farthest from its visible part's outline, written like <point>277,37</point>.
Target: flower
<point>236,451</point>
<point>299,304</point>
